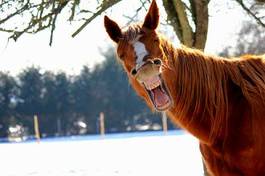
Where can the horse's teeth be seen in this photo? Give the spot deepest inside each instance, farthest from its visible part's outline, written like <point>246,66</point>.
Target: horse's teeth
<point>152,86</point>
<point>155,85</point>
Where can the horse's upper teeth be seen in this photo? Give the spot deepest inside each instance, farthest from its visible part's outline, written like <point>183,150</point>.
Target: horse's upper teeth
<point>152,85</point>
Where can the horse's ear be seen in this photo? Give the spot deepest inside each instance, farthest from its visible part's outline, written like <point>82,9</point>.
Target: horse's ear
<point>152,18</point>
<point>112,29</point>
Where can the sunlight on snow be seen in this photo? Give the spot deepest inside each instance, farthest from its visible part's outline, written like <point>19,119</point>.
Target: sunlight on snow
<point>153,155</point>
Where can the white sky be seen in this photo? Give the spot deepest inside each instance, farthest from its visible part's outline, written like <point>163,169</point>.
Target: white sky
<point>70,54</point>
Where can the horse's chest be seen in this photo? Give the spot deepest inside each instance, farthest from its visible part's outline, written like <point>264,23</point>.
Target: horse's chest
<point>236,163</point>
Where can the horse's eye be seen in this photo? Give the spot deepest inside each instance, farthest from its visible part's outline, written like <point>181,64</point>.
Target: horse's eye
<point>156,40</point>
<point>133,71</point>
<point>157,62</point>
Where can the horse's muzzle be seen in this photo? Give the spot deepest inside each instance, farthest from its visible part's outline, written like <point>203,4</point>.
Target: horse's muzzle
<point>149,75</point>
<point>149,69</point>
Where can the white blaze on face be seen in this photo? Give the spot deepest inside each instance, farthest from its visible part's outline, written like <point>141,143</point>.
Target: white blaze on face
<point>140,52</point>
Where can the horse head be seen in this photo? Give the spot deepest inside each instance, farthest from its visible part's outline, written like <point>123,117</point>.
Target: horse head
<point>139,49</point>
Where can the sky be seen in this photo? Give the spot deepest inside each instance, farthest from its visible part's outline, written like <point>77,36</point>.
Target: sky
<point>70,54</point>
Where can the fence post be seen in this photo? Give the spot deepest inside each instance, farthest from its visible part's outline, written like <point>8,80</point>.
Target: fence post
<point>101,124</point>
<point>164,122</point>
<point>36,128</point>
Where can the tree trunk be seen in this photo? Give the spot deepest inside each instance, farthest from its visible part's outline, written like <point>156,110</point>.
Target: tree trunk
<point>178,18</point>
<point>200,18</point>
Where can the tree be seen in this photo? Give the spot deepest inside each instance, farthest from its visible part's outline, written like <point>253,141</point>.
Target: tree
<point>250,40</point>
<point>48,119</point>
<point>83,94</point>
<point>63,102</point>
<point>49,92</point>
<point>30,95</point>
<point>8,101</point>
<point>81,91</point>
<point>56,116</point>
<point>189,18</point>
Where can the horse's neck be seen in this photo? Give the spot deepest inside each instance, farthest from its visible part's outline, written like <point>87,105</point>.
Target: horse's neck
<point>196,91</point>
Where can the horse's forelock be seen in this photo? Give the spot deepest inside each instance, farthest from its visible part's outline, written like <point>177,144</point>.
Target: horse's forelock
<point>132,33</point>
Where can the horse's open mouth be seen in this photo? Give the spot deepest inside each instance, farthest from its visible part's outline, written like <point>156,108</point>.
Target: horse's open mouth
<point>158,93</point>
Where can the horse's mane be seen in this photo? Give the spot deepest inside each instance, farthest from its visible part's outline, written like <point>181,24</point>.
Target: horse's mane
<point>201,86</point>
<point>203,83</point>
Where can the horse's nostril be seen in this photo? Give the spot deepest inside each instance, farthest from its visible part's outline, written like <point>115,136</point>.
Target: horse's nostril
<point>157,62</point>
<point>133,72</point>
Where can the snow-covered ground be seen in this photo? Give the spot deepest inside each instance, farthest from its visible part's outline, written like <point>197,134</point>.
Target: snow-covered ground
<point>120,155</point>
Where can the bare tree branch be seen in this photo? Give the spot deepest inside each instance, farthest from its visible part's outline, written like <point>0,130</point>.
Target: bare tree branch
<point>260,1</point>
<point>73,9</point>
<point>54,12</point>
<point>6,30</point>
<point>132,19</point>
<point>252,14</point>
<point>25,7</point>
<point>53,25</point>
<point>104,6</point>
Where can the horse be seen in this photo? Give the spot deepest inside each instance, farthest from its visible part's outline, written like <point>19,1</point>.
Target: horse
<point>220,101</point>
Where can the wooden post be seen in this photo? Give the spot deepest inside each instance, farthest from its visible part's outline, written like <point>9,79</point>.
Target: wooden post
<point>36,128</point>
<point>164,122</point>
<point>101,124</point>
<point>59,126</point>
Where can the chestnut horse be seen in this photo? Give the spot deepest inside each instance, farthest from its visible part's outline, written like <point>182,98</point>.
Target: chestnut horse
<point>218,100</point>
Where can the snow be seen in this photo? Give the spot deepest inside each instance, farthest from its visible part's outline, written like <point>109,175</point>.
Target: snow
<point>120,155</point>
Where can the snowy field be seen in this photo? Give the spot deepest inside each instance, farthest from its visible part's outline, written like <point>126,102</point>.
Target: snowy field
<point>139,154</point>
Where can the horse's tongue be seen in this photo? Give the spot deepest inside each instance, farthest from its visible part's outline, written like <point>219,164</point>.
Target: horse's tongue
<point>160,97</point>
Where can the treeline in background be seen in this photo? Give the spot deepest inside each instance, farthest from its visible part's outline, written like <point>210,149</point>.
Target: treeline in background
<point>70,105</point>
